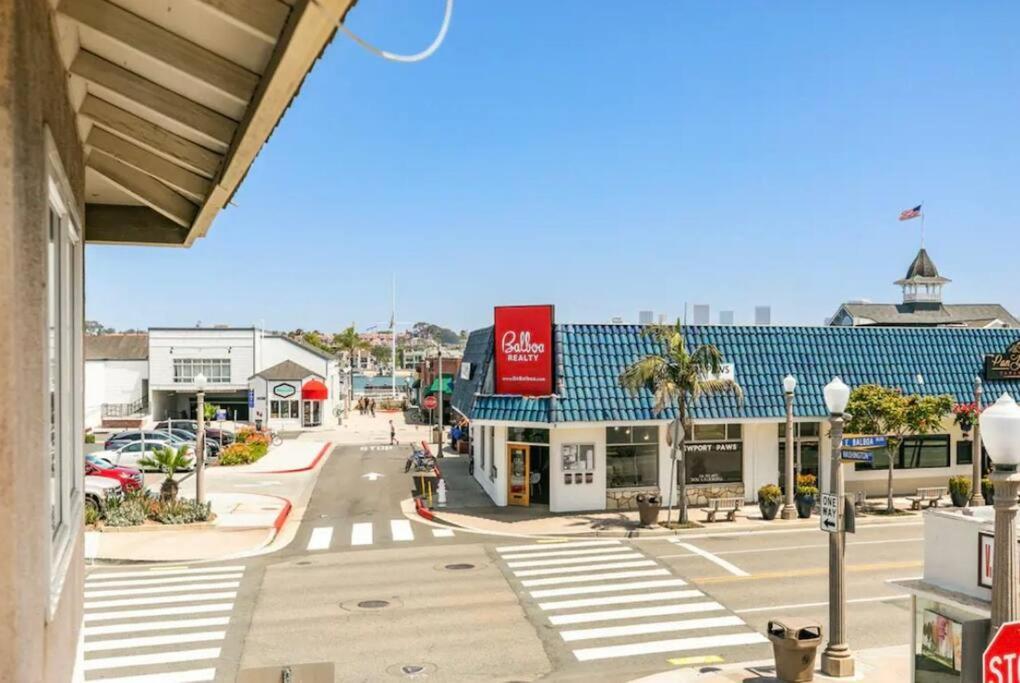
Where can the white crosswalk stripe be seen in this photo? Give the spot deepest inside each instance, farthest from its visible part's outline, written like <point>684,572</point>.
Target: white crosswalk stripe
<point>365,534</point>
<point>170,629</point>
<point>613,597</point>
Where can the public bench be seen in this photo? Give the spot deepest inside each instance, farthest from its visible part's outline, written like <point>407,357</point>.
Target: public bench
<point>728,505</point>
<point>928,494</point>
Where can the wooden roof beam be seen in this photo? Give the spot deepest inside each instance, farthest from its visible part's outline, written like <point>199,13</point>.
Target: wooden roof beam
<point>115,224</point>
<point>263,19</point>
<point>144,188</point>
<point>184,181</point>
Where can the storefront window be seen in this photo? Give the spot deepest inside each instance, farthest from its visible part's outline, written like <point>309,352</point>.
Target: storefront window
<point>216,370</point>
<point>805,446</point>
<point>965,453</point>
<point>714,432</point>
<point>284,410</point>
<point>916,452</point>
<point>527,435</point>
<point>714,463</point>
<point>632,456</point>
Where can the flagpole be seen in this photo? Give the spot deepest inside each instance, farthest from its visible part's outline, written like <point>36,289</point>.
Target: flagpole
<point>922,225</point>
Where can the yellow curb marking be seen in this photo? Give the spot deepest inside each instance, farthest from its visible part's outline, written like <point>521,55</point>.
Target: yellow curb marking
<point>688,661</point>
<point>812,571</point>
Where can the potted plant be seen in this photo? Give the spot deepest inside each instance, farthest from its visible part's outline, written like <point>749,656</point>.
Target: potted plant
<point>769,498</point>
<point>965,415</point>
<point>805,494</point>
<point>987,491</point>
<point>959,490</point>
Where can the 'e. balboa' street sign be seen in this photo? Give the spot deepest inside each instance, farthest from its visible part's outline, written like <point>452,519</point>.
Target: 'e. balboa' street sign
<point>865,441</point>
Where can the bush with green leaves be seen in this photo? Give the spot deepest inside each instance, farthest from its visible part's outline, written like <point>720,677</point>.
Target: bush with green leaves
<point>92,515</point>
<point>132,510</point>
<point>237,454</point>
<point>169,461</point>
<point>806,486</point>
<point>90,437</point>
<point>181,511</point>
<point>960,485</point>
<point>770,493</point>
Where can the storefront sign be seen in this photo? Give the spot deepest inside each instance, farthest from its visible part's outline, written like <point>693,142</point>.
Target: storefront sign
<point>1004,366</point>
<point>524,353</point>
<point>714,463</point>
<point>284,390</point>
<point>251,398</point>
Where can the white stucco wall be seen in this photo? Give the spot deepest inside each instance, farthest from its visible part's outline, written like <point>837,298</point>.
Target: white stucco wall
<point>166,344</point>
<point>761,457</point>
<point>577,497</point>
<point>955,571</point>
<point>494,448</point>
<point>111,381</point>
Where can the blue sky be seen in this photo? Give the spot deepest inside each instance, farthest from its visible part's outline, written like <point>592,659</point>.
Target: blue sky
<point>608,157</point>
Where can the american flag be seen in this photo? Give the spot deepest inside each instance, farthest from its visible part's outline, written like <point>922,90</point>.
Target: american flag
<point>910,213</point>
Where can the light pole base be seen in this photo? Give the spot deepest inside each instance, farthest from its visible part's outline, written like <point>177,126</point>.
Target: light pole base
<point>788,512</point>
<point>837,662</point>
<point>977,500</point>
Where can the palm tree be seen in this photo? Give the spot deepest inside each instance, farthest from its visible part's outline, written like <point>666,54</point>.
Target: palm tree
<point>168,461</point>
<point>677,378</point>
<point>349,342</point>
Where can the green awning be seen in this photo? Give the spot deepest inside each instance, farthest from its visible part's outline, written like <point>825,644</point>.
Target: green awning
<point>447,386</point>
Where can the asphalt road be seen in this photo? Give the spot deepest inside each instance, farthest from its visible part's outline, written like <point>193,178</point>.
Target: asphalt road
<point>365,589</point>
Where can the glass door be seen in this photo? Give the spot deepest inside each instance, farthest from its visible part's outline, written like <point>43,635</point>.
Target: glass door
<point>519,478</point>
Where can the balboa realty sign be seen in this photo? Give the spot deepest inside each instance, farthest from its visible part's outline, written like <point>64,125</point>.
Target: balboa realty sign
<point>523,336</point>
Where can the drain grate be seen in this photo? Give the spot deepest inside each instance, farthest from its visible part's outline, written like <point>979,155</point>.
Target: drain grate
<point>373,604</point>
<point>459,565</point>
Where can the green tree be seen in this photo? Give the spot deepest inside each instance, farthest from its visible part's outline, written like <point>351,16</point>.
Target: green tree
<point>349,342</point>
<point>677,377</point>
<point>209,411</point>
<point>96,327</point>
<point>382,354</point>
<point>875,409</point>
<point>169,461</point>
<point>314,338</point>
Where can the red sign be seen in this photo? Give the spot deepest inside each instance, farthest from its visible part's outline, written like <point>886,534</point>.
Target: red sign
<point>1002,657</point>
<point>524,353</point>
<point>430,403</point>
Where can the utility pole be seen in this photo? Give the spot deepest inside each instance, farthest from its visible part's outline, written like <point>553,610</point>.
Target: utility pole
<point>439,437</point>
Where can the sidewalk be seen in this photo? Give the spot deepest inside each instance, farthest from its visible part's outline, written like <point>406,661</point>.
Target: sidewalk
<point>293,455</point>
<point>878,665</point>
<point>358,429</point>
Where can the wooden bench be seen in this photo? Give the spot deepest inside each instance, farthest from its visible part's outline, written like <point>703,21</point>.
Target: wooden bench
<point>928,494</point>
<point>728,505</point>
<point>860,499</point>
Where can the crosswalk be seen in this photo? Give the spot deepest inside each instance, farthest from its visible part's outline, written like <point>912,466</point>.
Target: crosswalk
<point>608,600</point>
<point>364,534</point>
<point>157,625</point>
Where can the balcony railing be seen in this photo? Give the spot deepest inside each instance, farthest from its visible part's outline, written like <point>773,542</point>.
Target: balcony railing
<point>138,407</point>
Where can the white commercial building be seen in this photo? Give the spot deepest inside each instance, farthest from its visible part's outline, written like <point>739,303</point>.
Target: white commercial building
<point>116,378</point>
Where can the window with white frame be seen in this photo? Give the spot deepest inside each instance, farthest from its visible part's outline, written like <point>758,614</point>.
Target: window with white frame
<point>63,372</point>
<point>216,370</point>
<point>284,410</point>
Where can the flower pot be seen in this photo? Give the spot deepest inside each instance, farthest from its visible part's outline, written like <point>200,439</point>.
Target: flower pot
<point>988,493</point>
<point>769,508</point>
<point>959,498</point>
<point>804,506</point>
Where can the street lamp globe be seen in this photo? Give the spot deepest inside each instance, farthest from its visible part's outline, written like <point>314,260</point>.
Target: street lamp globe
<point>789,384</point>
<point>200,381</point>
<point>1000,431</point>
<point>837,395</point>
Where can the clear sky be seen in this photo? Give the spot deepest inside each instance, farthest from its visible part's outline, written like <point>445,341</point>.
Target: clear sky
<point>608,157</point>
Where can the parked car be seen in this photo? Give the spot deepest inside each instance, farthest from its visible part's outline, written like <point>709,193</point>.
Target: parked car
<point>129,478</point>
<point>121,438</point>
<point>131,453</point>
<point>99,491</point>
<point>211,433</point>
<point>212,448</point>
<point>152,437</point>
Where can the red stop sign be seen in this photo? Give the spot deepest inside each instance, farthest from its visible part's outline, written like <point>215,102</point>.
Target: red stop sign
<point>430,403</point>
<point>1002,656</point>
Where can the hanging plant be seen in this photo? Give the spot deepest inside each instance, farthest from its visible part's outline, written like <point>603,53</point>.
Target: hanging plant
<point>965,415</point>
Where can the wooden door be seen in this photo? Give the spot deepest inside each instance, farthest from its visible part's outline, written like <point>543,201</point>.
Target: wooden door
<point>518,474</point>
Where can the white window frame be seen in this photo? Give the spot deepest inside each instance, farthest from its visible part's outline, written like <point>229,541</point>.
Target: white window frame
<point>69,380</point>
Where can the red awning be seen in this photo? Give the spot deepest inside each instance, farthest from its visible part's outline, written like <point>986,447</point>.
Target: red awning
<point>314,390</point>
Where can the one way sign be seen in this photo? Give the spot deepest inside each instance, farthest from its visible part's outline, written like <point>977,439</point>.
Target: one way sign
<point>829,518</point>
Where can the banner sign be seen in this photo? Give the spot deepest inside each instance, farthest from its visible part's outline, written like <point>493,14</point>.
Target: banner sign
<point>1004,366</point>
<point>524,353</point>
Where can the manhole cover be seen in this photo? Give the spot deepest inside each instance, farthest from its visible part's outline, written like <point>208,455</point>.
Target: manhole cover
<point>416,671</point>
<point>303,563</point>
<point>460,565</point>
<point>411,669</point>
<point>373,604</point>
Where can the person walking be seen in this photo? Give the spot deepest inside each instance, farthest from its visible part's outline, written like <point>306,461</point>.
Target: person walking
<point>371,407</point>
<point>393,434</point>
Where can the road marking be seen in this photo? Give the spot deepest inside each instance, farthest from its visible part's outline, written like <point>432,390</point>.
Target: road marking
<point>361,533</point>
<point>806,529</point>
<point>654,627</point>
<point>563,553</point>
<point>156,658</point>
<point>620,599</point>
<point>168,571</point>
<point>320,539</point>
<point>372,476</point>
<point>159,582</point>
<point>805,605</point>
<point>731,568</point>
<point>635,613</point>
<point>192,676</point>
<point>89,631</point>
<point>442,533</point>
<point>678,644</point>
<point>547,544</point>
<point>617,554</point>
<point>811,571</point>
<point>611,576</point>
<point>608,588</point>
<point>793,547</point>
<point>400,530</point>
<point>161,600</point>
<point>586,568</point>
<point>158,612</point>
<point>150,641</point>
<point>696,659</point>
<point>154,590</point>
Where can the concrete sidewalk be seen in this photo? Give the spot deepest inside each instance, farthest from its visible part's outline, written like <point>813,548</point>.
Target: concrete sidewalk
<point>879,665</point>
<point>358,429</point>
<point>293,455</point>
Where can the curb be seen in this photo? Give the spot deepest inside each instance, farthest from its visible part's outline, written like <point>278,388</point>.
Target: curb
<point>422,510</point>
<point>282,517</point>
<point>315,461</point>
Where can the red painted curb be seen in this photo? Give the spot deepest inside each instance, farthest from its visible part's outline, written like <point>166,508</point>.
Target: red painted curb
<point>284,513</point>
<point>422,510</point>
<point>322,453</point>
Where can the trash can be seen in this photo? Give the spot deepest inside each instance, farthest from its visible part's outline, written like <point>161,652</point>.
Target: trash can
<point>648,509</point>
<point>795,642</point>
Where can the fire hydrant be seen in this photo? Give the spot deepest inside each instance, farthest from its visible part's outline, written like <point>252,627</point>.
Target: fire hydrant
<point>441,492</point>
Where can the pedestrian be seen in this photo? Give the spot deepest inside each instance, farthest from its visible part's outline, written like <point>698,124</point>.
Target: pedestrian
<point>455,435</point>
<point>371,407</point>
<point>393,434</point>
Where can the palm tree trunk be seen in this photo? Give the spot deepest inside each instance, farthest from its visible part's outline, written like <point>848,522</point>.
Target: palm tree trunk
<point>672,469</point>
<point>889,488</point>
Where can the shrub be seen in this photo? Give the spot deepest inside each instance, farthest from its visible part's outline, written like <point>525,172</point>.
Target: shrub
<point>182,511</point>
<point>90,437</point>
<point>769,493</point>
<point>239,454</point>
<point>960,485</point>
<point>92,515</point>
<point>131,511</point>
<point>806,486</point>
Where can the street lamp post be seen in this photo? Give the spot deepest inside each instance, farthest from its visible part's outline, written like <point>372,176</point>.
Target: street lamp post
<point>1001,427</point>
<point>837,659</point>
<point>976,497</point>
<point>789,511</point>
<point>439,417</point>
<point>200,382</point>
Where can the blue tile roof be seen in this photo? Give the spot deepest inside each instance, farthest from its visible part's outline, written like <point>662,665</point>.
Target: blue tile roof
<point>589,359</point>
<point>477,352</point>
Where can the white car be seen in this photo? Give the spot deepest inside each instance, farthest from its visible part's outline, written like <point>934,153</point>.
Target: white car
<point>132,452</point>
<point>98,490</point>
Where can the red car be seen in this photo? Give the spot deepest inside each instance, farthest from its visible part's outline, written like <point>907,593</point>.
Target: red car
<point>129,478</point>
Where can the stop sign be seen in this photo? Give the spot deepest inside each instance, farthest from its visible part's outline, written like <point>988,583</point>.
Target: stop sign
<point>430,403</point>
<point>1002,656</point>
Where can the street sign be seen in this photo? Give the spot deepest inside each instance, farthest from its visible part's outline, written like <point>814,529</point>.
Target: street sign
<point>1001,661</point>
<point>430,403</point>
<point>829,517</point>
<point>251,398</point>
<point>865,441</point>
<point>221,414</point>
<point>856,456</point>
